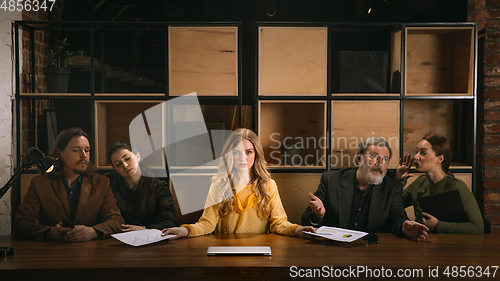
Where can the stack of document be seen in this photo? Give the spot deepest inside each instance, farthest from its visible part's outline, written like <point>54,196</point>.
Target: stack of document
<point>338,234</point>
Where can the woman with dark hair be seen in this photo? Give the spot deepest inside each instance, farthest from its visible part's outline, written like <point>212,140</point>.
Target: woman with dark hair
<point>242,198</point>
<point>433,157</point>
<point>144,201</point>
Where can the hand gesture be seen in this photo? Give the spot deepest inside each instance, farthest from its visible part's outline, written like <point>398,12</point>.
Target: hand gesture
<point>415,230</point>
<point>316,206</point>
<point>80,233</point>
<point>431,221</point>
<point>58,232</point>
<point>299,232</point>
<point>130,227</point>
<point>403,171</point>
<point>179,231</point>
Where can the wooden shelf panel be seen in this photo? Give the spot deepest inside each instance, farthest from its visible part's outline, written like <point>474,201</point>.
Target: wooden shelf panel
<point>56,94</point>
<point>442,117</point>
<point>354,121</point>
<point>293,189</point>
<point>203,60</point>
<point>303,122</point>
<point>292,61</point>
<point>426,116</point>
<point>113,119</point>
<point>367,94</point>
<point>439,60</point>
<point>130,94</point>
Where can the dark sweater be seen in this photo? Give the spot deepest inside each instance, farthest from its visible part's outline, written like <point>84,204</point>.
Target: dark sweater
<point>163,215</point>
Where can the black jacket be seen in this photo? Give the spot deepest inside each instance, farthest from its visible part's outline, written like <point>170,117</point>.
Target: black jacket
<point>386,213</point>
<point>163,215</point>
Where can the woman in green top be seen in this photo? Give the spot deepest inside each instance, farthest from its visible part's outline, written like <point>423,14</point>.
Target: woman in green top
<point>433,157</point>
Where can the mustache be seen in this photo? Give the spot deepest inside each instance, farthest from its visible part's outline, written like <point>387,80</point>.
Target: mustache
<point>82,161</point>
<point>376,168</point>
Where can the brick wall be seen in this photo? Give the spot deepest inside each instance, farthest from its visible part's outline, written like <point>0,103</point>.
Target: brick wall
<point>42,44</point>
<point>487,14</point>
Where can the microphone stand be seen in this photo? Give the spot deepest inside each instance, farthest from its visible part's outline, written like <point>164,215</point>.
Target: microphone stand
<point>7,251</point>
<point>24,166</point>
<point>44,164</point>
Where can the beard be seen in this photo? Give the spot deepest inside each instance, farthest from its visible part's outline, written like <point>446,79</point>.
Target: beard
<point>366,175</point>
<point>81,171</point>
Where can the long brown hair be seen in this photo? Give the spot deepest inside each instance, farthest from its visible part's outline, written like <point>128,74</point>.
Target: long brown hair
<point>146,187</point>
<point>60,143</point>
<point>441,146</point>
<point>260,174</point>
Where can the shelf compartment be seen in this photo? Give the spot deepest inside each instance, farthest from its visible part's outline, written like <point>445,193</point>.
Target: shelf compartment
<point>302,121</point>
<point>439,61</point>
<point>292,61</point>
<point>32,78</point>
<point>293,189</point>
<point>43,119</point>
<point>128,61</point>
<point>366,61</point>
<point>354,121</point>
<point>449,118</point>
<point>203,60</point>
<point>112,121</point>
<point>196,151</point>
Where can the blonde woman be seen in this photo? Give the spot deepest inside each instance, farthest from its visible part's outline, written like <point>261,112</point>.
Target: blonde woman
<point>242,198</point>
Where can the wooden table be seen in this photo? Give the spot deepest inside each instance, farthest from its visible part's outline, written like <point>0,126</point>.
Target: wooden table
<point>186,259</point>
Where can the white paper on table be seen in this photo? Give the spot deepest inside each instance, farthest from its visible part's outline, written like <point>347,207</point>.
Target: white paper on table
<point>141,237</point>
<point>338,234</point>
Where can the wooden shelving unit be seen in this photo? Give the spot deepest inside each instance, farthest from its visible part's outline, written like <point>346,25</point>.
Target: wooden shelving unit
<point>314,82</point>
<point>129,70</point>
<point>396,81</point>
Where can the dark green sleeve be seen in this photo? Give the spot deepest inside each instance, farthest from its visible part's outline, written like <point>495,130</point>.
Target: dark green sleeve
<point>407,197</point>
<point>474,225</point>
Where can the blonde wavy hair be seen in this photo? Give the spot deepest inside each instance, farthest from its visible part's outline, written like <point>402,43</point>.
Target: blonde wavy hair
<point>226,176</point>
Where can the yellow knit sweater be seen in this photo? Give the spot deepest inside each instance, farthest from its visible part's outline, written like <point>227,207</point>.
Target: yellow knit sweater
<point>245,218</point>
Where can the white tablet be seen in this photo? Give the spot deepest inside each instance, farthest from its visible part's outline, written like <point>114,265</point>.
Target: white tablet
<point>234,250</point>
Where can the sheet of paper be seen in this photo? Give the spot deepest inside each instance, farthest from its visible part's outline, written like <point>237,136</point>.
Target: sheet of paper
<point>338,234</point>
<point>141,237</point>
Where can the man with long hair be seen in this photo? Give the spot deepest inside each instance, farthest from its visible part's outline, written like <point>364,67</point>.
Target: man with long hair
<point>72,191</point>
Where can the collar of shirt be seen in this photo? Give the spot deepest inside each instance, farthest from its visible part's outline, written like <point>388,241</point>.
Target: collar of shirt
<point>71,190</point>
